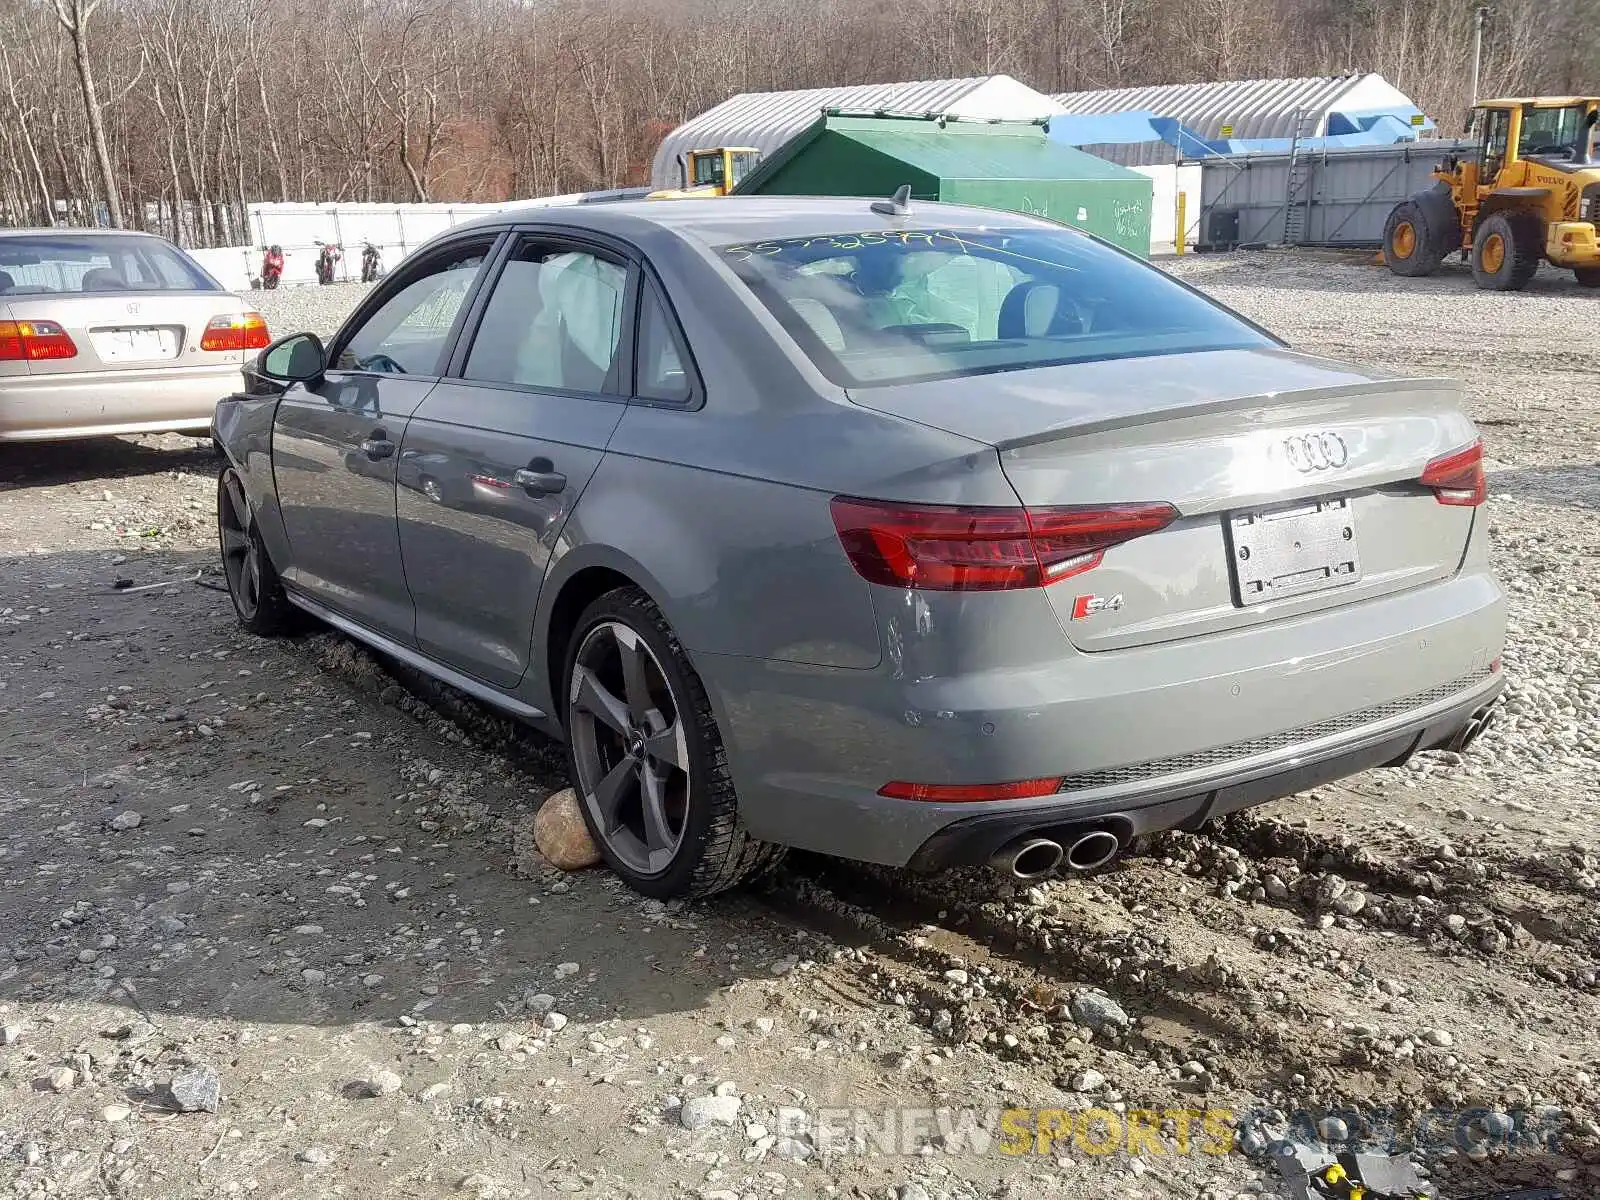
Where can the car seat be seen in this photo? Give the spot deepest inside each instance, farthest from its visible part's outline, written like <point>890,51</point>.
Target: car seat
<point>103,279</point>
<point>1035,309</point>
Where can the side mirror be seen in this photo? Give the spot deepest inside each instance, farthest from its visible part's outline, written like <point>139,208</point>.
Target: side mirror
<point>298,358</point>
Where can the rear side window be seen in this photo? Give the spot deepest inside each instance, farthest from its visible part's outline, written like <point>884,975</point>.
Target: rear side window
<point>75,264</point>
<point>893,307</point>
<point>662,374</point>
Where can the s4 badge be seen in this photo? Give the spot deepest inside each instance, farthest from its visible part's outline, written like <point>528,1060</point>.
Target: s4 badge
<point>1088,606</point>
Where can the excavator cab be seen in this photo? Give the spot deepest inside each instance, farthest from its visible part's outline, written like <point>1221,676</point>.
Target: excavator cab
<point>1529,194</point>
<point>711,173</point>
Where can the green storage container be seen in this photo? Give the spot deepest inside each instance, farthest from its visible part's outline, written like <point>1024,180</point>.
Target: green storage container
<point>1005,165</point>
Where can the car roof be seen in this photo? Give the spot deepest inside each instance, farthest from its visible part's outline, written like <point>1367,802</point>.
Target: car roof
<point>76,231</point>
<point>727,220</point>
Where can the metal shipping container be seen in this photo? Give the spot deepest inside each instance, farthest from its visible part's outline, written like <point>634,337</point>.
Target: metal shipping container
<point>1340,197</point>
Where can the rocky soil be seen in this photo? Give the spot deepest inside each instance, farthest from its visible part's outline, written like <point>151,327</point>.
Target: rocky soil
<point>271,920</point>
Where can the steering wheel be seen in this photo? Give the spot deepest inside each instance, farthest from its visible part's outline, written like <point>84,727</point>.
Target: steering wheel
<point>381,362</point>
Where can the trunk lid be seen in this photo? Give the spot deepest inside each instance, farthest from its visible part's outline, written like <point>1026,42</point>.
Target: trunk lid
<point>1296,481</point>
<point>129,330</point>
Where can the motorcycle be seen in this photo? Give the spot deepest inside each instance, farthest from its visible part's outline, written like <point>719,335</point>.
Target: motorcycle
<point>327,260</point>
<point>272,268</point>
<point>371,264</point>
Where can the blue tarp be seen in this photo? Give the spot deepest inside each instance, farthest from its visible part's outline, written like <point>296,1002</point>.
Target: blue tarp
<point>1345,129</point>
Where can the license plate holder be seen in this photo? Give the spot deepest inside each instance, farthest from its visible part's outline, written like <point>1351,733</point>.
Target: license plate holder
<point>1293,550</point>
<point>135,344</point>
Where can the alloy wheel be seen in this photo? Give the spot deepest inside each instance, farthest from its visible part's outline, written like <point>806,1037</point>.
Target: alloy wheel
<point>241,556</point>
<point>629,747</point>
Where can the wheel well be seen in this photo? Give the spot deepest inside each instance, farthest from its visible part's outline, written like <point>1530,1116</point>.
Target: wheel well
<point>582,590</point>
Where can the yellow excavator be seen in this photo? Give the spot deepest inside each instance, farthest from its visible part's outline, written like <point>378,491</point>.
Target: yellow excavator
<point>1531,195</point>
<point>711,173</point>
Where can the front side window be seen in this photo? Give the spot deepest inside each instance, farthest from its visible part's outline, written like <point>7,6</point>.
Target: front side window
<point>881,308</point>
<point>408,333</point>
<point>553,321</point>
<point>744,161</point>
<point>73,264</point>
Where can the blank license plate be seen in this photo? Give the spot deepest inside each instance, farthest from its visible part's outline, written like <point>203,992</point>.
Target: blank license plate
<point>1285,552</point>
<point>135,345</point>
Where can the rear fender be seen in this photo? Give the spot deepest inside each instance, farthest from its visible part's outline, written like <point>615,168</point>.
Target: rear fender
<point>242,427</point>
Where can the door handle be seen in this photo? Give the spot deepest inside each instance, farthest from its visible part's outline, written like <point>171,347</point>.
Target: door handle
<point>540,483</point>
<point>378,446</point>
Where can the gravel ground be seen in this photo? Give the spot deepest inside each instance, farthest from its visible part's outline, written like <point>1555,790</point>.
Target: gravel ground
<point>274,924</point>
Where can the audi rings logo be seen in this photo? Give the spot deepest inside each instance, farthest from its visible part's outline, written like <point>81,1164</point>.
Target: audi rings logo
<point>1310,452</point>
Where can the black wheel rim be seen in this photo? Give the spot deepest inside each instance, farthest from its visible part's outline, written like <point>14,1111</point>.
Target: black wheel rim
<point>241,561</point>
<point>629,747</point>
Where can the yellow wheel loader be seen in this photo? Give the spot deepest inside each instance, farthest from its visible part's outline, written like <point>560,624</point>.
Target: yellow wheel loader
<point>710,173</point>
<point>1531,194</point>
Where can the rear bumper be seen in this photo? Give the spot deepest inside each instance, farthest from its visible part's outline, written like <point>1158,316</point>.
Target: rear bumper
<point>56,407</point>
<point>1174,732</point>
<point>1189,805</point>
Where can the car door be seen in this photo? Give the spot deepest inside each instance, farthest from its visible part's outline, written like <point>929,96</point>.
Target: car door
<point>497,455</point>
<point>336,441</point>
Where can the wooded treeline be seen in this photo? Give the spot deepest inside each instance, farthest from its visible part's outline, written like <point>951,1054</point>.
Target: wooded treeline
<point>137,109</point>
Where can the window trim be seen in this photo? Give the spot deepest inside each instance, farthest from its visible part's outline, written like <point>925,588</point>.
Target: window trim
<point>564,239</point>
<point>408,274</point>
<point>697,394</point>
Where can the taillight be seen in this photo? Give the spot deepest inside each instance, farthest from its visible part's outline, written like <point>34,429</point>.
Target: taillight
<point>236,331</point>
<point>951,549</point>
<point>34,341</point>
<point>1457,478</point>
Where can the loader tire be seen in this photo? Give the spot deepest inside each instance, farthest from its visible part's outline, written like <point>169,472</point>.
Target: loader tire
<point>1588,276</point>
<point>1410,247</point>
<point>1506,251</point>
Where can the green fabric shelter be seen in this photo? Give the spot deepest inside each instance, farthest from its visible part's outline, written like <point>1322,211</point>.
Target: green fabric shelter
<point>1005,165</point>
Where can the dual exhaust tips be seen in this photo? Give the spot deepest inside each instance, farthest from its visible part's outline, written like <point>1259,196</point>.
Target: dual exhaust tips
<point>1034,857</point>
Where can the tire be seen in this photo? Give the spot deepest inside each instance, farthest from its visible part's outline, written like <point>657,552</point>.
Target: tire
<point>696,846</point>
<point>1410,246</point>
<point>253,585</point>
<point>1506,251</point>
<point>1588,276</point>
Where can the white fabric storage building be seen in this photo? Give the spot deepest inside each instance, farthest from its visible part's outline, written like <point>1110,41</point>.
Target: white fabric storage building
<point>766,120</point>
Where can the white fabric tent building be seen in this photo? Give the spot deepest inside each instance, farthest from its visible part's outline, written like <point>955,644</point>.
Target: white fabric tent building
<point>766,120</point>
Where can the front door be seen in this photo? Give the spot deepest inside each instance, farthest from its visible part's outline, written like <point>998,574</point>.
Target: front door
<point>495,459</point>
<point>336,442</point>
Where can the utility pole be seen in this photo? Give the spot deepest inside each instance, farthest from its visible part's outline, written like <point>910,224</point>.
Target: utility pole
<point>1480,19</point>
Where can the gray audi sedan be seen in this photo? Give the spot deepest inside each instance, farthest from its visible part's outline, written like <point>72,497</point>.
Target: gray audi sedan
<point>915,534</point>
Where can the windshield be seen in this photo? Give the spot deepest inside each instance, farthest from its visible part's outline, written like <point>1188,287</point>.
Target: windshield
<point>707,169</point>
<point>61,264</point>
<point>880,308</point>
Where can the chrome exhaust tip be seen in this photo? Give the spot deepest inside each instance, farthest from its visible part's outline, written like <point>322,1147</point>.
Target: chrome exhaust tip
<point>1477,725</point>
<point>1094,849</point>
<point>1028,858</point>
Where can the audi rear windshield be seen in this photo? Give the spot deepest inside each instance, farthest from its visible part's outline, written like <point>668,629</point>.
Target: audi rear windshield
<point>879,308</point>
<point>53,264</point>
